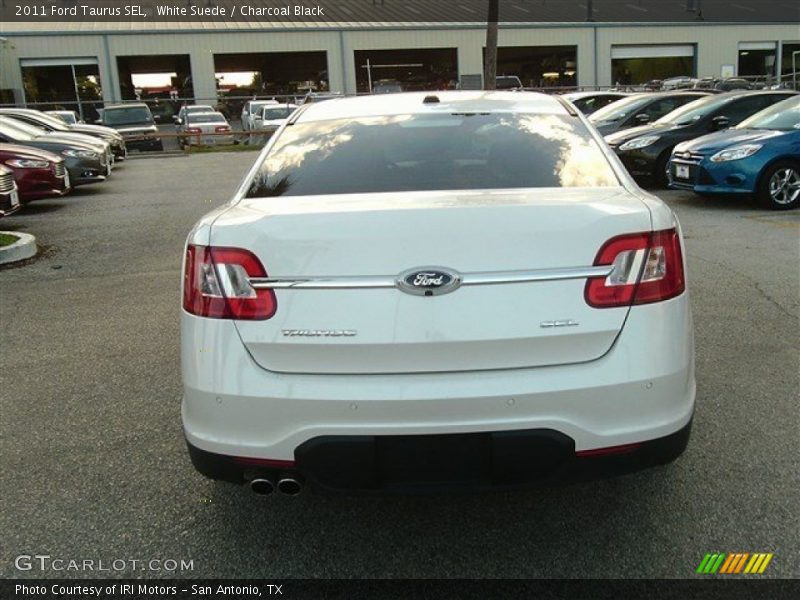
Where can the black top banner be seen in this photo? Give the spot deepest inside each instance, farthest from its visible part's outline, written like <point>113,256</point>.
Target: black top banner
<point>398,11</point>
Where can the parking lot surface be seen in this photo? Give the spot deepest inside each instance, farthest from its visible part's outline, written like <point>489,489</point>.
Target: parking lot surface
<point>94,464</point>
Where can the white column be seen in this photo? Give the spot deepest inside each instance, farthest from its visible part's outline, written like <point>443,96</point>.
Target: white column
<point>203,75</point>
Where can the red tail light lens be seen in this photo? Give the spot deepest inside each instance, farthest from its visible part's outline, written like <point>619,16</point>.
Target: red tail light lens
<point>193,130</point>
<point>222,129</point>
<point>648,267</point>
<point>216,284</point>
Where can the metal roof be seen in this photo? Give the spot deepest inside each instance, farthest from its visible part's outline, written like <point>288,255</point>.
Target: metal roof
<point>432,102</point>
<point>379,14</point>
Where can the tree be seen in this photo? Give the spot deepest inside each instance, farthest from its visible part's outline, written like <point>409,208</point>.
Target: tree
<point>490,58</point>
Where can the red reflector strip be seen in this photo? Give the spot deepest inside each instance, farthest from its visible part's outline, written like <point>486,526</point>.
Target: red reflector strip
<point>264,462</point>
<point>623,449</point>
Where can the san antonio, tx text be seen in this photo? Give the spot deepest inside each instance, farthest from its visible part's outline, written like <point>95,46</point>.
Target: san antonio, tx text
<point>129,589</point>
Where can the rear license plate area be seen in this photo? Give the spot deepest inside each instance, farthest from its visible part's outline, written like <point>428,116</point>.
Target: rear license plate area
<point>461,458</point>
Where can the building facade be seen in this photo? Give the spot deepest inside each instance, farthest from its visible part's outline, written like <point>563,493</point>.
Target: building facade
<point>48,62</point>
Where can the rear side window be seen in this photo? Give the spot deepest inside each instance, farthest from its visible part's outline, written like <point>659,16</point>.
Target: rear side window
<point>747,106</point>
<point>205,118</point>
<point>404,153</point>
<point>667,105</point>
<point>125,116</point>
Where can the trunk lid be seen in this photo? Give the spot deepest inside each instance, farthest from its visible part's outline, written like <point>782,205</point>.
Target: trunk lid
<point>385,330</point>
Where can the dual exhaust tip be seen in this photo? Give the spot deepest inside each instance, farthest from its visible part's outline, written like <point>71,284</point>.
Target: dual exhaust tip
<point>288,486</point>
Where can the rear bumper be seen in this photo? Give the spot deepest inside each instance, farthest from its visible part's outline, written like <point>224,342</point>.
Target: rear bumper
<point>148,144</point>
<point>642,389</point>
<point>440,463</point>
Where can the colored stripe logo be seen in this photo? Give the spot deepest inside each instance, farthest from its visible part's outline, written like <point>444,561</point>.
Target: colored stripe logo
<point>734,563</point>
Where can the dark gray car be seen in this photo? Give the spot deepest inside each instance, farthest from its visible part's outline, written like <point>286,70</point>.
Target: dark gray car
<point>54,124</point>
<point>640,109</point>
<point>83,161</point>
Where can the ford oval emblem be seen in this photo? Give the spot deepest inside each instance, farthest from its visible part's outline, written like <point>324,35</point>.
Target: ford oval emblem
<point>429,281</point>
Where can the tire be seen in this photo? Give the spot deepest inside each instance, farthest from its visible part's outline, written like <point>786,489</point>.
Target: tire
<point>779,186</point>
<point>660,179</point>
<point>159,147</point>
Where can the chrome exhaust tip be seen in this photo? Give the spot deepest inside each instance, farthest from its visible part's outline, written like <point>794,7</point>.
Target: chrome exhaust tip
<point>289,486</point>
<point>262,487</point>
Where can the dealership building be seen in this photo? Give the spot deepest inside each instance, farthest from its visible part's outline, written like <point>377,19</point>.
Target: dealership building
<point>546,44</point>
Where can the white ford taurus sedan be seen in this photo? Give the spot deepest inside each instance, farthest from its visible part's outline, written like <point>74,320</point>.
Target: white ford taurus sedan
<point>435,291</point>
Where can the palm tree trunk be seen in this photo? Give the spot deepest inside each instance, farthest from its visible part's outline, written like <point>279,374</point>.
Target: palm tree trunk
<point>490,58</point>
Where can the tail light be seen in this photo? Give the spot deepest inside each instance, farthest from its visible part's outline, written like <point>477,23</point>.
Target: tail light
<point>193,130</point>
<point>216,284</point>
<point>647,267</point>
<point>222,129</point>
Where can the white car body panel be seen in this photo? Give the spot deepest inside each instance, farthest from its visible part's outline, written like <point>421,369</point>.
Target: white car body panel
<point>475,360</point>
<point>644,388</point>
<point>327,235</point>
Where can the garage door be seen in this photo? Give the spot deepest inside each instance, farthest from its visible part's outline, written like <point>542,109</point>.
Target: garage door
<point>652,51</point>
<point>57,62</point>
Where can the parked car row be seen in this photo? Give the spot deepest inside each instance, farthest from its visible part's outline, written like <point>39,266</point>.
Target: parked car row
<point>44,157</point>
<point>740,142</point>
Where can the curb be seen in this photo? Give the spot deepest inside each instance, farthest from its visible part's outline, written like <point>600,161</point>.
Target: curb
<point>23,249</point>
<point>150,155</point>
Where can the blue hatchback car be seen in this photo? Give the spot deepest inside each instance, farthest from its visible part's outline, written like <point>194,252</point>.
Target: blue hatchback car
<point>760,156</point>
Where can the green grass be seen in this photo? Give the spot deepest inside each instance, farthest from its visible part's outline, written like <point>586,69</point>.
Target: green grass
<point>7,239</point>
<point>230,148</point>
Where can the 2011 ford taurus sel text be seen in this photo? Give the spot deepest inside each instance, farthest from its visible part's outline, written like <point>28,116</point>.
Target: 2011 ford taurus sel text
<point>452,290</point>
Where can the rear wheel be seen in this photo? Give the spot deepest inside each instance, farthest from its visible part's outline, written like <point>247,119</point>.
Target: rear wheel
<point>779,187</point>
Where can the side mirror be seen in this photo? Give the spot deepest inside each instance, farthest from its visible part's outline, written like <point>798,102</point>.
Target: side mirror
<point>157,118</point>
<point>178,121</point>
<point>642,118</point>
<point>721,122</point>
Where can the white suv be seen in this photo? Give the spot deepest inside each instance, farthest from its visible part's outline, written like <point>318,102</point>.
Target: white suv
<point>425,291</point>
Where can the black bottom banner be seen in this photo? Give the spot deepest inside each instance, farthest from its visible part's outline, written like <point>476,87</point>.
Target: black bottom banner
<point>85,589</point>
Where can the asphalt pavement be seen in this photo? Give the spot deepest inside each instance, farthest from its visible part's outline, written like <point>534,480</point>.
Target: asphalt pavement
<point>94,465</point>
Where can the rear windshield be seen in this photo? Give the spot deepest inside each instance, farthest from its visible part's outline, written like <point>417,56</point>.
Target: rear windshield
<point>126,116</point>
<point>21,127</point>
<point>205,118</point>
<point>696,110</point>
<point>12,130</point>
<point>51,121</point>
<point>282,112</point>
<point>619,109</point>
<point>783,116</point>
<point>67,117</point>
<point>432,152</point>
